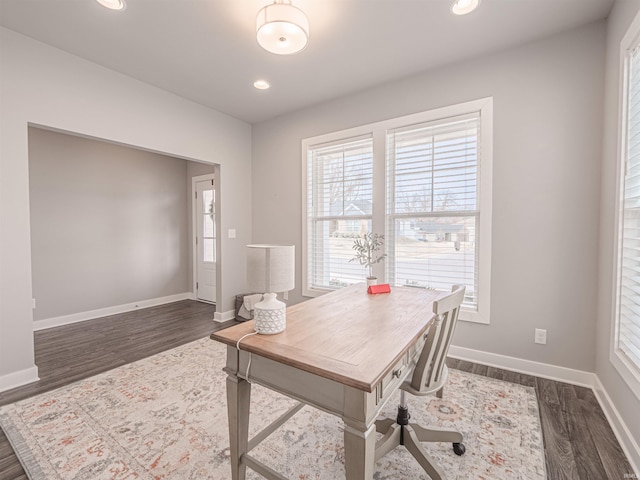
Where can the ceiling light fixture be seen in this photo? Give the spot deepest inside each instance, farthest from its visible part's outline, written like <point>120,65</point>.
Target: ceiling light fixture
<point>282,28</point>
<point>113,4</point>
<point>261,84</point>
<point>462,7</point>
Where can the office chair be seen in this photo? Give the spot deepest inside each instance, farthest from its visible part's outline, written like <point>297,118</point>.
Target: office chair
<point>429,376</point>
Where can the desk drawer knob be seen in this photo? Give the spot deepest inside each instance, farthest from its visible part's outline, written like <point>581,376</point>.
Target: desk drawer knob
<point>396,373</point>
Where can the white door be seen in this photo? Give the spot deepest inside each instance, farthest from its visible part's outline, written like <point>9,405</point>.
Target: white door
<point>205,241</point>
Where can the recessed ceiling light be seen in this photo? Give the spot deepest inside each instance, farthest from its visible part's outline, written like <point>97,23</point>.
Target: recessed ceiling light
<point>113,4</point>
<point>462,7</point>
<point>261,84</point>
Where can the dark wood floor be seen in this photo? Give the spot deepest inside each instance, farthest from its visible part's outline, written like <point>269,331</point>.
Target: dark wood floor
<point>579,443</point>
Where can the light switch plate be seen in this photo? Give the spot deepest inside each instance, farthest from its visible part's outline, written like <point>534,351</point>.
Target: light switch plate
<point>232,233</point>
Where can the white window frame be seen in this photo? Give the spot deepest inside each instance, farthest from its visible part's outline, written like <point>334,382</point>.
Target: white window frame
<point>379,131</point>
<point>625,367</point>
<point>318,212</point>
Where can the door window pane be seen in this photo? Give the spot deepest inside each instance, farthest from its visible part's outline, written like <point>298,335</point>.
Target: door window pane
<point>208,226</point>
<point>209,245</point>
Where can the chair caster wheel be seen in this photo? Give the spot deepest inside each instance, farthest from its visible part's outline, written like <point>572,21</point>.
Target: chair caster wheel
<point>458,448</point>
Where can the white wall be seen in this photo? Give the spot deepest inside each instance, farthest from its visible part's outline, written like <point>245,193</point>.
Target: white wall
<point>547,139</point>
<point>109,224</point>
<point>627,404</point>
<point>45,86</point>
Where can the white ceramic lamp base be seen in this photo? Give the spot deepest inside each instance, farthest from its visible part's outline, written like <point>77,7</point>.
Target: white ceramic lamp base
<point>270,315</point>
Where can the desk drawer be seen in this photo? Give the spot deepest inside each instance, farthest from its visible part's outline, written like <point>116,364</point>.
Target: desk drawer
<point>400,371</point>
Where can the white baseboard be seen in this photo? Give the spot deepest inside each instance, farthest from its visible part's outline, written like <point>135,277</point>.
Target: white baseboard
<point>544,370</point>
<point>19,378</point>
<point>220,317</point>
<point>627,442</point>
<point>566,375</point>
<point>104,312</point>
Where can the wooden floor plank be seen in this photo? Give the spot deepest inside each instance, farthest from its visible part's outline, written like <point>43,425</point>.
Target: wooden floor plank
<point>460,364</point>
<point>558,449</point>
<point>478,369</point>
<point>497,373</point>
<point>548,391</point>
<point>611,455</point>
<point>587,460</point>
<point>528,380</point>
<point>73,352</point>
<point>513,377</point>
<point>10,467</point>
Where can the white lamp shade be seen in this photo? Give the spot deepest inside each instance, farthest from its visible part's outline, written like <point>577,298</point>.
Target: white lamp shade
<point>282,28</point>
<point>270,268</point>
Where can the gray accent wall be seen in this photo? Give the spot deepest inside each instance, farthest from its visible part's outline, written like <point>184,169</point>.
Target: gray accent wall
<point>109,224</point>
<point>546,184</point>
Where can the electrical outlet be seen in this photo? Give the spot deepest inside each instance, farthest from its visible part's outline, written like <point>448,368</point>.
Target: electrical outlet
<point>540,336</point>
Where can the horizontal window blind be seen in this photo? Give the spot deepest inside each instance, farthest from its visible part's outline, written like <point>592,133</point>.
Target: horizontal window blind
<point>339,208</point>
<point>628,339</point>
<point>432,205</point>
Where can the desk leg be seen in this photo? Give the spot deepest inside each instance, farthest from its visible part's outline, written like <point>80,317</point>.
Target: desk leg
<point>238,401</point>
<point>359,451</point>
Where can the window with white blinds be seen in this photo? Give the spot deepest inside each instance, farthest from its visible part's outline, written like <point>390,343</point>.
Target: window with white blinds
<point>424,182</point>
<point>340,205</point>
<point>433,205</point>
<point>628,318</point>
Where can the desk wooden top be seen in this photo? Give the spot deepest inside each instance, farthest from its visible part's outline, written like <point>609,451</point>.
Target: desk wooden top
<point>347,336</point>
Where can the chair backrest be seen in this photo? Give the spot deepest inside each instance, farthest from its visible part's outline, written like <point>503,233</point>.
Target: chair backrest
<point>427,375</point>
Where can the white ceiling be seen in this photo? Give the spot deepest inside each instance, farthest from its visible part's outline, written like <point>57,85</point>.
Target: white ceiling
<point>206,51</point>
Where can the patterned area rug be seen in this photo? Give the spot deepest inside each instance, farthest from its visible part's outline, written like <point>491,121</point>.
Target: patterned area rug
<point>165,417</point>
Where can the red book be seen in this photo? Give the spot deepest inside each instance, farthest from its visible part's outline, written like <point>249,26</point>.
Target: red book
<point>381,288</point>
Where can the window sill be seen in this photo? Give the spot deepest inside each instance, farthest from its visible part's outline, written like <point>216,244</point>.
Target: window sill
<point>466,315</point>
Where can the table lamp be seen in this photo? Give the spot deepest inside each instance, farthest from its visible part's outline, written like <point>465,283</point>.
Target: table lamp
<point>270,269</point>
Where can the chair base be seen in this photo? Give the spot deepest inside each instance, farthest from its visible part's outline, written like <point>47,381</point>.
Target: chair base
<point>402,432</point>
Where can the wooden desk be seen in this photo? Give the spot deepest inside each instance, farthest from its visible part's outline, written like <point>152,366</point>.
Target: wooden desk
<point>345,352</point>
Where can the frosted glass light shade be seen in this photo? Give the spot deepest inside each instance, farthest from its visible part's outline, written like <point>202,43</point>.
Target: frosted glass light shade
<point>113,4</point>
<point>270,268</point>
<point>282,28</point>
<point>462,7</point>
